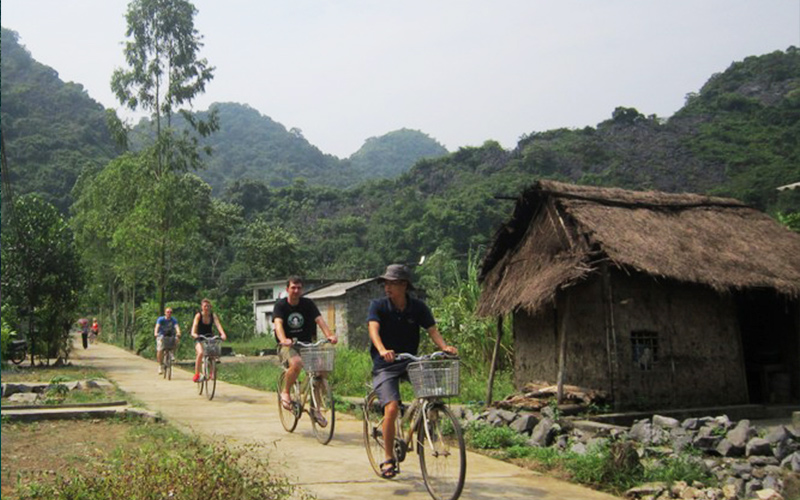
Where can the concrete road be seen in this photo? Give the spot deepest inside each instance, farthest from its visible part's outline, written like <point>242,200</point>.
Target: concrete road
<point>340,470</point>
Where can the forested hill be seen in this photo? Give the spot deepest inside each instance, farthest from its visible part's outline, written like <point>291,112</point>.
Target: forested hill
<point>52,130</point>
<point>251,146</point>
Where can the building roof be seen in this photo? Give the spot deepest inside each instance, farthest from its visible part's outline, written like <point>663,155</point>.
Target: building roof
<point>336,289</point>
<point>561,233</point>
<point>795,185</point>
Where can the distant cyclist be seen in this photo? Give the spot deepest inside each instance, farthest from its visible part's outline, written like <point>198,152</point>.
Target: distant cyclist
<point>166,326</point>
<point>203,326</point>
<point>94,329</point>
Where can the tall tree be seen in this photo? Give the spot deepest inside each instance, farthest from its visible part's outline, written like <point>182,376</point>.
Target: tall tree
<point>164,73</point>
<point>41,274</point>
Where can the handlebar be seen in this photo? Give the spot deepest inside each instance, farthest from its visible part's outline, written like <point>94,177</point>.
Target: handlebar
<point>435,355</point>
<point>310,344</point>
<point>215,337</point>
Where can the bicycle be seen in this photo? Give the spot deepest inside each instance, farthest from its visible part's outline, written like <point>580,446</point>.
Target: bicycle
<point>314,390</point>
<point>168,345</point>
<point>18,350</point>
<point>208,373</point>
<point>427,422</point>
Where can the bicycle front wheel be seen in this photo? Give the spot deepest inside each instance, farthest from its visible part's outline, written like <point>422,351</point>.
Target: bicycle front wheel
<point>373,431</point>
<point>168,368</point>
<point>442,454</point>
<point>323,411</point>
<point>290,417</point>
<point>211,378</point>
<point>201,382</point>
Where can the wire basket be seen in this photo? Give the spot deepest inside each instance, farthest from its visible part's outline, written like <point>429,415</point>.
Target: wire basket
<point>434,378</point>
<point>212,348</point>
<point>168,343</point>
<point>317,359</point>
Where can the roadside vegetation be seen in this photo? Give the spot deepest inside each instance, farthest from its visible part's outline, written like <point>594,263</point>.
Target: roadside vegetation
<point>611,466</point>
<point>148,460</point>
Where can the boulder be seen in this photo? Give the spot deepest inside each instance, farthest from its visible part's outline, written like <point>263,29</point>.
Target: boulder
<point>758,446</point>
<point>543,434</point>
<point>726,448</point>
<point>24,398</point>
<point>665,422</point>
<point>525,423</point>
<point>741,434</point>
<point>768,494</point>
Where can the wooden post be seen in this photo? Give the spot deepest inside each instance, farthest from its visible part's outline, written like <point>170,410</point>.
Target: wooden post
<point>562,348</point>
<point>494,360</point>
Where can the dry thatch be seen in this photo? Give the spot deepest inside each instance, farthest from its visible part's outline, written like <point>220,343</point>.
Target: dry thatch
<point>560,233</point>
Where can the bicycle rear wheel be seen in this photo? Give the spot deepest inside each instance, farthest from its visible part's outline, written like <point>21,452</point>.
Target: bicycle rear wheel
<point>289,418</point>
<point>18,356</point>
<point>211,378</point>
<point>322,400</point>
<point>442,454</point>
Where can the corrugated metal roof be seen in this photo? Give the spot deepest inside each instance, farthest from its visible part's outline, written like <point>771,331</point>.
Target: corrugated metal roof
<point>336,289</point>
<point>796,185</point>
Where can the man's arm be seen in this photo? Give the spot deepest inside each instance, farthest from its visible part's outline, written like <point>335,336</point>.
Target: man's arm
<point>437,339</point>
<point>281,333</point>
<point>327,331</point>
<point>155,330</point>
<point>177,329</point>
<point>375,337</point>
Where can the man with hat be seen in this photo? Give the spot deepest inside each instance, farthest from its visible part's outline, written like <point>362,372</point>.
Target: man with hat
<point>394,322</point>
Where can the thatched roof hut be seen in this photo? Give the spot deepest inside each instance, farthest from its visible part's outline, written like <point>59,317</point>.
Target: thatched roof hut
<point>636,292</point>
<point>719,242</point>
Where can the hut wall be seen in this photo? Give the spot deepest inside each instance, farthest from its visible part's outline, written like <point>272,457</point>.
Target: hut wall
<point>695,356</point>
<point>536,342</point>
<point>358,300</point>
<point>677,345</point>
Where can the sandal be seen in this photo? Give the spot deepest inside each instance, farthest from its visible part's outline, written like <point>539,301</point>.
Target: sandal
<point>391,471</point>
<point>286,402</point>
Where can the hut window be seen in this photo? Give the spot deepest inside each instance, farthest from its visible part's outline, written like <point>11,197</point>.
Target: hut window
<point>644,347</point>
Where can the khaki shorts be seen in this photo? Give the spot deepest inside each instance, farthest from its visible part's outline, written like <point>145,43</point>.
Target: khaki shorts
<point>160,343</point>
<point>286,353</point>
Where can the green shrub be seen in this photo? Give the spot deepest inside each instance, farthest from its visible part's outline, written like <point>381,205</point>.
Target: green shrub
<point>484,436</point>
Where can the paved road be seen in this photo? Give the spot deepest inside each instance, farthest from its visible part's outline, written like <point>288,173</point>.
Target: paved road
<point>339,470</point>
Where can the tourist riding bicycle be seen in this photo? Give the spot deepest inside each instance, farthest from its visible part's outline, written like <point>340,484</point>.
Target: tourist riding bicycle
<point>394,323</point>
<point>167,332</point>
<point>296,317</point>
<point>203,327</point>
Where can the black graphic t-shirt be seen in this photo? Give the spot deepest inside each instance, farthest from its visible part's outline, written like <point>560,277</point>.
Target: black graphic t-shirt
<point>298,321</point>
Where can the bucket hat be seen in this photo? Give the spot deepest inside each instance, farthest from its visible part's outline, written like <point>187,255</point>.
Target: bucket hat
<point>397,272</point>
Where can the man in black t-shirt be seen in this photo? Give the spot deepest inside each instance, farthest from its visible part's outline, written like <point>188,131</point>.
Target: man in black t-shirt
<point>296,317</point>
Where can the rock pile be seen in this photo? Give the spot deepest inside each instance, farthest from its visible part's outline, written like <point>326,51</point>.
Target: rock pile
<point>746,462</point>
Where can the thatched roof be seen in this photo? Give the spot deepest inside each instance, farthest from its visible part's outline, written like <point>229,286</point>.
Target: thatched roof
<point>560,233</point>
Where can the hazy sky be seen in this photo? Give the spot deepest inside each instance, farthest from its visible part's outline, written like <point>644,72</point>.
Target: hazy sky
<point>462,71</point>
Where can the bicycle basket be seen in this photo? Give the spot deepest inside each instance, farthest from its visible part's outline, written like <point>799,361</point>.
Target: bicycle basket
<point>434,378</point>
<point>317,359</point>
<point>168,343</point>
<point>211,348</point>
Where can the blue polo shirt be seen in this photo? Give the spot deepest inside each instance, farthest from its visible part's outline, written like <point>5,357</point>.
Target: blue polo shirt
<point>399,330</point>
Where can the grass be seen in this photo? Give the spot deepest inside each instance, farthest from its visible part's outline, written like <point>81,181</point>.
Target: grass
<point>154,460</point>
<point>46,374</point>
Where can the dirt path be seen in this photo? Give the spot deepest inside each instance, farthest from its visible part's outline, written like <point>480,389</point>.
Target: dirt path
<point>339,470</point>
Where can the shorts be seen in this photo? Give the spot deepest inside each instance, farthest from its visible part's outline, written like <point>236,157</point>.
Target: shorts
<point>285,353</point>
<point>386,381</point>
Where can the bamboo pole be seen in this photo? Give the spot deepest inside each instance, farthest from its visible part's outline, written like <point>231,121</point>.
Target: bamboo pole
<point>562,349</point>
<point>493,367</point>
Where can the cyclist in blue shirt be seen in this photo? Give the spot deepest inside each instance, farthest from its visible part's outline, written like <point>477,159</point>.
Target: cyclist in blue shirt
<point>166,326</point>
<point>394,322</point>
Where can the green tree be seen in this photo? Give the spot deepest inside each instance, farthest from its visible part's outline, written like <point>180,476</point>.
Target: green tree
<point>165,72</point>
<point>41,274</point>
